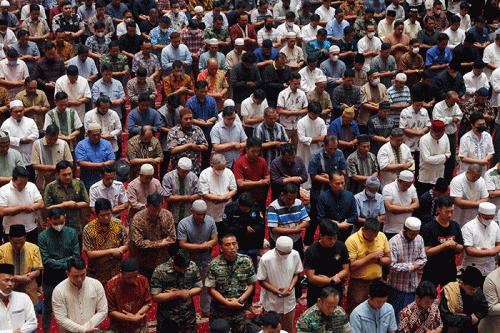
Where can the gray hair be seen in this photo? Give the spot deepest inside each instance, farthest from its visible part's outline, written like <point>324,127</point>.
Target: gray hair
<point>397,132</point>
<point>475,168</point>
<point>218,159</point>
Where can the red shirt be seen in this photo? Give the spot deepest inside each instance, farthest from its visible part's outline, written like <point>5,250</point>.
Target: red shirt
<point>255,171</point>
<point>236,32</point>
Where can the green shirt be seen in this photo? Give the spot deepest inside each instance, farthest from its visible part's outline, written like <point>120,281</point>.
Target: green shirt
<point>56,193</point>
<point>9,162</point>
<point>56,248</point>
<point>313,320</point>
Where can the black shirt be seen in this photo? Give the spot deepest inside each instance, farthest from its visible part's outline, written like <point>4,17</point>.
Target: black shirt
<point>274,79</point>
<point>475,304</point>
<point>426,91</point>
<point>465,55</point>
<point>441,268</point>
<point>146,26</point>
<point>324,261</point>
<point>235,221</point>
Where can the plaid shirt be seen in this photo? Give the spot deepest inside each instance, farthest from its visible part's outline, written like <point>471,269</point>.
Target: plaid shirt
<point>48,70</point>
<point>265,134</point>
<point>195,43</point>
<point>404,255</point>
<point>165,5</point>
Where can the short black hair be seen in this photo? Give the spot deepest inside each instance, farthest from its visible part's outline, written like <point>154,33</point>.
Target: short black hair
<point>254,142</point>
<point>315,108</point>
<point>201,84</point>
<point>144,98</point>
<point>288,148</point>
<point>472,276</point>
<point>290,188</point>
<point>181,258</point>
<point>475,117</point>
<point>102,204</point>
<point>426,288</point>
<point>443,36</point>
<point>103,99</point>
<point>349,73</point>
<point>328,228</point>
<point>259,94</point>
<point>445,201</point>
<point>60,96</point>
<point>61,165</point>
<point>271,318</point>
<point>372,224</point>
<point>56,212</point>
<point>378,289</point>
<point>108,169</point>
<point>76,262</point>
<point>20,172</point>
<point>174,100</point>
<point>441,185</point>
<point>155,200</point>
<point>454,19</point>
<point>246,199</point>
<point>52,130</point>
<point>363,138</point>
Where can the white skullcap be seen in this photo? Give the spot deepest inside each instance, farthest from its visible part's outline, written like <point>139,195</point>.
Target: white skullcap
<point>291,34</point>
<point>147,170</point>
<point>413,223</point>
<point>185,163</point>
<point>199,206</point>
<point>213,41</point>
<point>198,9</point>
<point>284,244</point>
<point>4,3</point>
<point>239,41</point>
<point>334,48</point>
<point>487,208</point>
<point>15,103</point>
<point>320,78</point>
<point>228,102</point>
<point>401,77</point>
<point>406,176</point>
<point>93,126</point>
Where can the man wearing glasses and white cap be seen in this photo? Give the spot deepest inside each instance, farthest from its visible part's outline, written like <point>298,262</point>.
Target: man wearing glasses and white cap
<point>482,239</point>
<point>294,54</point>
<point>213,52</point>
<point>400,198</point>
<point>408,257</point>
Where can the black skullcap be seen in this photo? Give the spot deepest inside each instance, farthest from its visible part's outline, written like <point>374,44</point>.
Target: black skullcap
<point>130,265</point>
<point>471,276</point>
<point>7,269</point>
<point>17,230</point>
<point>219,326</point>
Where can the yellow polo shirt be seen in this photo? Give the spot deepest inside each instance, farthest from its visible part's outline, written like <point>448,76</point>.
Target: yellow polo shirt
<point>359,248</point>
<point>32,261</point>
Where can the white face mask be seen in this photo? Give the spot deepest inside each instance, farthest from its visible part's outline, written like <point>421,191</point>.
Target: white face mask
<point>100,34</point>
<point>175,11</point>
<point>370,35</point>
<point>335,58</point>
<point>376,82</point>
<point>4,294</point>
<point>58,228</point>
<point>454,75</point>
<point>438,12</point>
<point>369,194</point>
<point>219,172</point>
<point>289,24</point>
<point>416,50</point>
<point>486,222</point>
<point>164,30</point>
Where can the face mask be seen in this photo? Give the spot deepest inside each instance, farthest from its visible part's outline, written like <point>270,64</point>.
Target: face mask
<point>175,11</point>
<point>127,20</point>
<point>4,294</point>
<point>369,194</point>
<point>289,24</point>
<point>438,12</point>
<point>416,50</point>
<point>269,26</point>
<point>371,35</point>
<point>12,62</point>
<point>219,172</point>
<point>454,75</point>
<point>487,222</point>
<point>481,129</point>
<point>335,58</point>
<point>193,32</point>
<point>164,30</point>
<point>58,228</point>
<point>376,82</point>
<point>100,34</point>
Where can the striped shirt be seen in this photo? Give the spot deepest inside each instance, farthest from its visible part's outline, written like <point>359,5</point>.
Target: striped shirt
<point>283,216</point>
<point>265,134</point>
<point>404,255</point>
<point>398,97</point>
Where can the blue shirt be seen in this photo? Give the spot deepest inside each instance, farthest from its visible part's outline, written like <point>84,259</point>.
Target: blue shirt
<point>281,215</point>
<point>205,111</point>
<point>116,13</point>
<point>337,207</point>
<point>114,90</point>
<point>85,68</point>
<point>367,207</point>
<point>344,132</point>
<point>333,71</point>
<point>159,38</point>
<point>320,163</point>
<point>221,134</point>
<point>334,29</point>
<point>150,117</point>
<point>366,320</point>
<point>261,57</point>
<point>30,49</point>
<point>169,54</point>
<point>87,151</point>
<point>479,36</point>
<point>377,5</point>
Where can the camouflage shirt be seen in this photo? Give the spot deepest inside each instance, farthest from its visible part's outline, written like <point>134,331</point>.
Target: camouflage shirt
<point>165,277</point>
<point>469,108</point>
<point>313,320</point>
<point>231,279</point>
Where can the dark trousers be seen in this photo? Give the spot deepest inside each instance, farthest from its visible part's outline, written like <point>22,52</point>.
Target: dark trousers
<point>164,165</point>
<point>205,157</point>
<point>313,223</point>
<point>416,157</point>
<point>31,237</point>
<point>249,131</point>
<point>299,247</point>
<point>496,143</point>
<point>449,166</point>
<point>47,307</point>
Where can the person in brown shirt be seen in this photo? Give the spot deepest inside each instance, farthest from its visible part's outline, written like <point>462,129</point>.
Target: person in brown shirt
<point>153,231</point>
<point>398,40</point>
<point>412,63</point>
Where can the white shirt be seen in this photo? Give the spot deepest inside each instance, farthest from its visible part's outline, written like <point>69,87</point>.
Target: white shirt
<point>25,12</point>
<point>293,55</point>
<point>411,120</point>
<point>253,110</point>
<point>308,78</point>
<point>495,85</point>
<point>116,194</point>
<point>307,129</point>
<point>491,55</point>
<point>211,183</point>
<point>208,19</point>
<point>19,314</point>
<point>121,29</point>
<point>474,147</point>
<point>461,187</point>
<point>14,73</point>
<point>308,33</point>
<point>295,101</point>
<point>110,124</point>
<point>465,23</point>
<point>279,271</point>
<point>446,114</point>
<point>9,38</point>
<point>325,14</point>
<point>385,156</point>
<point>18,130</point>
<point>10,196</point>
<point>74,308</point>
<point>411,29</point>
<point>433,155</point>
<point>492,180</point>
<point>77,90</point>
<point>395,222</point>
<point>473,83</point>
<point>430,3</point>
<point>384,29</point>
<point>456,37</point>
<point>283,29</point>
<point>480,236</point>
<point>366,44</point>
